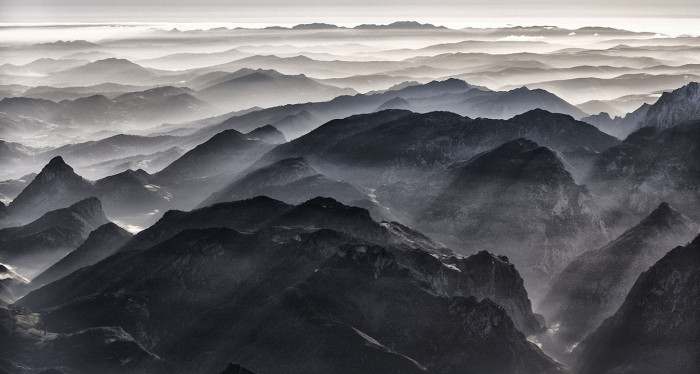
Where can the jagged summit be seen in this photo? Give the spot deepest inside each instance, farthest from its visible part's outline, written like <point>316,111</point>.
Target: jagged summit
<point>675,108</point>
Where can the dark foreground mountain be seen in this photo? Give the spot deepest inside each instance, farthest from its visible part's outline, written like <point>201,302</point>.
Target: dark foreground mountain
<point>35,246</point>
<point>596,283</point>
<point>657,328</point>
<point>516,199</point>
<point>288,297</point>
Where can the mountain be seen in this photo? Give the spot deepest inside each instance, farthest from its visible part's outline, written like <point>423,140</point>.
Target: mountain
<point>262,211</point>
<point>268,134</point>
<point>675,108</point>
<point>506,104</point>
<point>226,153</point>
<point>650,166</point>
<point>400,25</point>
<point>620,127</point>
<point>516,199</point>
<point>100,244</point>
<point>268,88</point>
<point>56,186</point>
<point>288,285</point>
<point>35,246</point>
<point>392,145</point>
<point>12,285</point>
<point>595,284</point>
<point>110,70</point>
<point>654,329</point>
<point>294,181</point>
<point>113,147</point>
<point>447,95</point>
<point>132,191</point>
<point>236,369</point>
<point>131,194</point>
<point>277,174</point>
<point>150,163</point>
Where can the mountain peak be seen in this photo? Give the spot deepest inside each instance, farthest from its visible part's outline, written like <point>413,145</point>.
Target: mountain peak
<point>268,134</point>
<point>675,108</point>
<point>664,216</point>
<point>57,163</point>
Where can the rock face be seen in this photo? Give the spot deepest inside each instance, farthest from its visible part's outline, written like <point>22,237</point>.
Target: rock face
<point>33,247</point>
<point>596,283</point>
<point>315,288</point>
<point>56,186</point>
<point>516,199</point>
<point>649,167</point>
<point>675,108</point>
<point>657,327</point>
<point>100,244</point>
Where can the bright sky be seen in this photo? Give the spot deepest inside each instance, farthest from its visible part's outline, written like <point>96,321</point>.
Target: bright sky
<point>345,11</point>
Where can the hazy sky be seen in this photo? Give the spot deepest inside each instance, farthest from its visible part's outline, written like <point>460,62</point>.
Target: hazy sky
<point>356,11</point>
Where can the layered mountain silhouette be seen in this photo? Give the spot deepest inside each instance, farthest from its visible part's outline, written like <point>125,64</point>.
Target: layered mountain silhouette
<point>100,244</point>
<point>294,181</point>
<point>57,185</point>
<point>35,246</point>
<point>246,88</point>
<point>448,95</point>
<point>655,328</point>
<point>345,286</point>
<point>394,145</point>
<point>594,285</point>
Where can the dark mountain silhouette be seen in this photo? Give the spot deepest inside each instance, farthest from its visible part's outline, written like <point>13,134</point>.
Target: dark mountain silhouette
<point>596,283</point>
<point>654,329</point>
<point>346,289</point>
